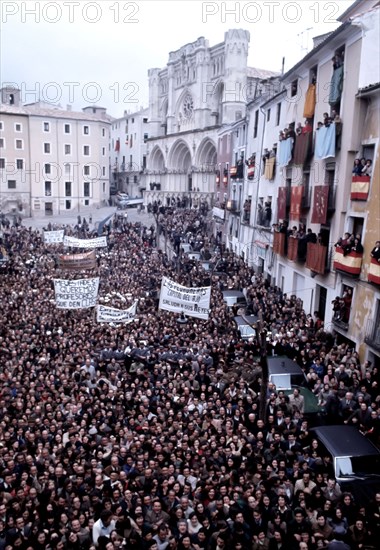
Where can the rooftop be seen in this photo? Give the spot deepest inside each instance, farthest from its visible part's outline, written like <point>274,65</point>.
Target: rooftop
<point>53,112</point>
<point>262,74</point>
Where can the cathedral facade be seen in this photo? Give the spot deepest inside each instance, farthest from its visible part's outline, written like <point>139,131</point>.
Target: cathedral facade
<point>199,91</point>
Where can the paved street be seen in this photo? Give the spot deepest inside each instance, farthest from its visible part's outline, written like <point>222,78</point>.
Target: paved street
<point>98,215</point>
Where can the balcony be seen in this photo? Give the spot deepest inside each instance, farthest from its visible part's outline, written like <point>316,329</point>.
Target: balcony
<point>349,264</point>
<point>264,215</point>
<point>292,249</point>
<point>251,171</point>
<point>246,212</point>
<point>374,272</point>
<point>246,218</point>
<point>232,206</point>
<point>339,323</point>
<point>279,243</point>
<point>237,172</point>
<point>233,172</point>
<point>360,188</point>
<point>372,335</point>
<point>316,258</point>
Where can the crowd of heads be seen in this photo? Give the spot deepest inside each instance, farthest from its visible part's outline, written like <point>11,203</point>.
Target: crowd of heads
<point>151,434</point>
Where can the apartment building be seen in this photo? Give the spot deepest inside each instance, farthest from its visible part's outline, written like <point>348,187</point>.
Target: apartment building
<point>303,142</point>
<point>128,152</point>
<point>52,160</point>
<point>14,155</point>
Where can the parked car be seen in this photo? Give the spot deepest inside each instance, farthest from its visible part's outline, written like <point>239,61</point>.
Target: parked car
<point>186,248</point>
<point>234,297</point>
<point>355,459</point>
<point>286,374</point>
<point>245,324</point>
<point>128,202</point>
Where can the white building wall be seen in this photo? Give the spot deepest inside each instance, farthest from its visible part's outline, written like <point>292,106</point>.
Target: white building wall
<point>58,146</point>
<point>126,165</point>
<point>14,164</point>
<point>78,161</point>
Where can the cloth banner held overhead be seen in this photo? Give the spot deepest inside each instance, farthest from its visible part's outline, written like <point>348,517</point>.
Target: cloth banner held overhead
<point>76,262</point>
<point>99,242</point>
<point>54,236</point>
<point>194,302</point>
<point>112,315</point>
<point>76,294</point>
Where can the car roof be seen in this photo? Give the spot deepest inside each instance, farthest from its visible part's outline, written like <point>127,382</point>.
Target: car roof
<point>343,441</point>
<point>245,320</point>
<point>232,293</point>
<point>279,364</point>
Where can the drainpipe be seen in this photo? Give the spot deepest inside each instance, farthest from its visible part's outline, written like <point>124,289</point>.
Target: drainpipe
<point>260,163</point>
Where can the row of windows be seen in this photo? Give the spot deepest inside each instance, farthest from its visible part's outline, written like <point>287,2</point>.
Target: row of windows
<point>46,126</point>
<point>48,188</point>
<point>118,124</point>
<point>47,148</point>
<point>20,164</point>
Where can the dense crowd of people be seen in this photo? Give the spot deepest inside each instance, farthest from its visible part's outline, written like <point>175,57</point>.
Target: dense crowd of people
<point>149,434</point>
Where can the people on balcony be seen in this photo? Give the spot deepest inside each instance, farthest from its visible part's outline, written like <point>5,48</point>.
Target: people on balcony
<point>367,168</point>
<point>357,169</point>
<point>265,157</point>
<point>337,308</point>
<point>260,214</point>
<point>347,300</point>
<point>375,252</point>
<point>337,61</point>
<point>246,210</point>
<point>346,243</point>
<point>307,127</point>
<point>357,246</point>
<point>311,237</point>
<point>267,213</point>
<point>240,168</point>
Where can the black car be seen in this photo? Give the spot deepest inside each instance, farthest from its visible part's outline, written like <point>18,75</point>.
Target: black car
<point>355,459</point>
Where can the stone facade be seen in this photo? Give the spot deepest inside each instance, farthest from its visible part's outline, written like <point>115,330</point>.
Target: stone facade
<point>201,90</point>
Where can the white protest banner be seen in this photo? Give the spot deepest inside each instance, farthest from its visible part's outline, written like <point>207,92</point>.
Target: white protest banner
<point>54,236</point>
<point>194,302</point>
<point>76,294</point>
<point>98,242</point>
<point>112,315</point>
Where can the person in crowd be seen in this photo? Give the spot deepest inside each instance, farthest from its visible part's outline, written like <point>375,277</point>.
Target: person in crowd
<point>367,168</point>
<point>358,168</point>
<point>375,252</point>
